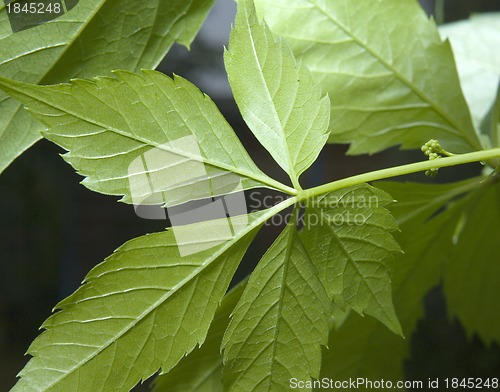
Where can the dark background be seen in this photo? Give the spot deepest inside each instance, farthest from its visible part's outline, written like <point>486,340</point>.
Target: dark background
<point>54,230</point>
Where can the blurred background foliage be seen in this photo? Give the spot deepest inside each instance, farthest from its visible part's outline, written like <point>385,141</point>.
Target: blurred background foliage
<point>54,230</point>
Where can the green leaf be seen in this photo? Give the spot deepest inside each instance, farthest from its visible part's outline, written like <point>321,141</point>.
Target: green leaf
<point>280,322</point>
<point>495,121</point>
<point>276,96</point>
<point>201,370</point>
<point>472,272</point>
<point>147,137</point>
<point>363,347</point>
<point>475,42</point>
<point>347,235</point>
<point>490,126</point>
<point>93,38</point>
<point>391,78</point>
<point>144,308</point>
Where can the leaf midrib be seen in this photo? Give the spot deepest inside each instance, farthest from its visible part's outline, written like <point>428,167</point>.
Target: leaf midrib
<point>255,176</point>
<point>438,200</point>
<point>291,167</point>
<point>75,36</point>
<point>356,267</point>
<point>174,290</point>
<point>47,71</point>
<point>287,262</point>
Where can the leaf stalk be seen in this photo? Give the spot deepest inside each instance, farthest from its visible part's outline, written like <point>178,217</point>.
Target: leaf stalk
<point>477,156</point>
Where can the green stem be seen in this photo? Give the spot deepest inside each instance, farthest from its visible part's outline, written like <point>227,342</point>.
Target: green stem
<point>279,186</point>
<point>477,156</point>
<point>296,185</point>
<point>295,215</point>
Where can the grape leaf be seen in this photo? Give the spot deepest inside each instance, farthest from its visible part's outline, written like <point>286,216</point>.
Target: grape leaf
<point>201,370</point>
<point>280,322</point>
<point>474,44</point>
<point>347,235</point>
<point>91,39</point>
<point>363,347</point>
<point>144,308</point>
<point>276,96</point>
<point>374,61</point>
<point>147,137</point>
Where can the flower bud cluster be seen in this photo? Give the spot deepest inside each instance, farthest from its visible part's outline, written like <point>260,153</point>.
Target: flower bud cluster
<point>433,150</point>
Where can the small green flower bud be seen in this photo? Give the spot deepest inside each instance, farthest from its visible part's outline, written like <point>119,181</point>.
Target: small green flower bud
<point>431,172</point>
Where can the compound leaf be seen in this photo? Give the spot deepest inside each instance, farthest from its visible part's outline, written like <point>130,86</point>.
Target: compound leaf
<point>280,322</point>
<point>143,309</point>
<point>374,59</point>
<point>93,38</point>
<point>201,370</point>
<point>347,235</point>
<point>150,138</point>
<point>277,97</point>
